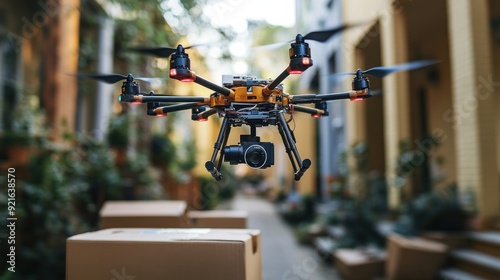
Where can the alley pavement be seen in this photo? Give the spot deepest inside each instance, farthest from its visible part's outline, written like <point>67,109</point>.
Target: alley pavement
<point>282,257</point>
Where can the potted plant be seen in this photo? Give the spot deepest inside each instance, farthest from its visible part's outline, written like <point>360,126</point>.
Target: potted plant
<point>162,150</point>
<point>19,136</point>
<point>17,146</point>
<point>118,136</point>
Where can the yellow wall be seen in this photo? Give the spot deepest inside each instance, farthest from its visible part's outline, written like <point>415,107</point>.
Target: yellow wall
<point>464,60</point>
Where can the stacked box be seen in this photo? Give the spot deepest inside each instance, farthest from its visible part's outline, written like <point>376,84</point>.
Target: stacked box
<point>359,264</point>
<point>144,214</point>
<point>218,219</point>
<point>181,254</point>
<point>413,258</point>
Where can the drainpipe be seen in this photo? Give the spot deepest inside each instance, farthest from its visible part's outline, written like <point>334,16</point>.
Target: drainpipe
<point>104,92</point>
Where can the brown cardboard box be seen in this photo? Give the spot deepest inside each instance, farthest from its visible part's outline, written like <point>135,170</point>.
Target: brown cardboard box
<point>413,258</point>
<point>359,264</point>
<point>218,219</point>
<point>180,254</point>
<point>144,214</point>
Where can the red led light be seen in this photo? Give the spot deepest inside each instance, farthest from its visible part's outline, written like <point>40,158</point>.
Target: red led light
<point>306,61</point>
<point>161,115</point>
<point>295,72</point>
<point>202,119</point>
<point>187,80</point>
<point>357,99</point>
<point>135,102</point>
<point>316,116</point>
<point>173,72</point>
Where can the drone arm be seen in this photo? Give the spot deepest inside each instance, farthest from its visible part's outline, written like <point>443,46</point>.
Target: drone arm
<point>175,108</point>
<point>267,90</point>
<point>206,114</point>
<point>171,98</point>
<point>315,98</point>
<point>308,110</point>
<point>205,83</point>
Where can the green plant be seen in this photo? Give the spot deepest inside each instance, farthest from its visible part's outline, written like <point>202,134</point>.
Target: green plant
<point>411,159</point>
<point>161,149</point>
<point>209,197</point>
<point>433,211</point>
<point>118,131</point>
<point>13,138</point>
<point>62,196</point>
<point>304,211</point>
<point>188,159</point>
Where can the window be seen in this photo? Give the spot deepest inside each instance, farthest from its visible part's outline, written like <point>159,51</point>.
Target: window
<point>9,69</point>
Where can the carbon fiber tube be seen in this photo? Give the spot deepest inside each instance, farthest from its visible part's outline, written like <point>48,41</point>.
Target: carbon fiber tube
<point>222,90</point>
<point>171,98</point>
<point>179,107</point>
<point>314,98</point>
<point>278,80</point>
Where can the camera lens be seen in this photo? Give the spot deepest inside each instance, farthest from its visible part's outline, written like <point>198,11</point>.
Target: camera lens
<point>255,156</point>
<point>233,154</point>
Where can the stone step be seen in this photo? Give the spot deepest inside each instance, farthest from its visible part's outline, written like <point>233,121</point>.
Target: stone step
<point>476,263</point>
<point>487,242</point>
<point>456,274</point>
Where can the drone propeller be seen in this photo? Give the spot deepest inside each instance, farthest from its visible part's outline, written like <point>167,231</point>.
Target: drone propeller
<point>319,36</point>
<point>382,71</point>
<point>114,78</point>
<point>162,51</point>
<point>323,35</point>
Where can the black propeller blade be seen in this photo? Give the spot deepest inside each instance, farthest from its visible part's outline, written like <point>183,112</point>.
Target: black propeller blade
<point>160,52</point>
<point>319,36</point>
<point>114,78</point>
<point>382,71</point>
<point>107,78</point>
<point>323,35</point>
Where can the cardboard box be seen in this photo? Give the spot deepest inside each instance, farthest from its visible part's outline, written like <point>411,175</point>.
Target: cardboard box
<point>414,258</point>
<point>144,214</point>
<point>180,254</point>
<point>218,219</point>
<point>359,264</point>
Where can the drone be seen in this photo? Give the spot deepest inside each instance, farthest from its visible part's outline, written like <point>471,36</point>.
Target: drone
<point>248,101</point>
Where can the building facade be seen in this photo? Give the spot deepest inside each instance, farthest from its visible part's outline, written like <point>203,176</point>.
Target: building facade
<point>455,101</point>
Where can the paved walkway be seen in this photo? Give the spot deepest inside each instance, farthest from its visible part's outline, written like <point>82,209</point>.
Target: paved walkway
<point>282,257</point>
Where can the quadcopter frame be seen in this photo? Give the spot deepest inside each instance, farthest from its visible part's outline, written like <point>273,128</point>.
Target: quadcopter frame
<point>246,101</point>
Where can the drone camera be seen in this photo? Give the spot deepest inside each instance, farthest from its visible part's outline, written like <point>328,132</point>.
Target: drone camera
<point>257,155</point>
